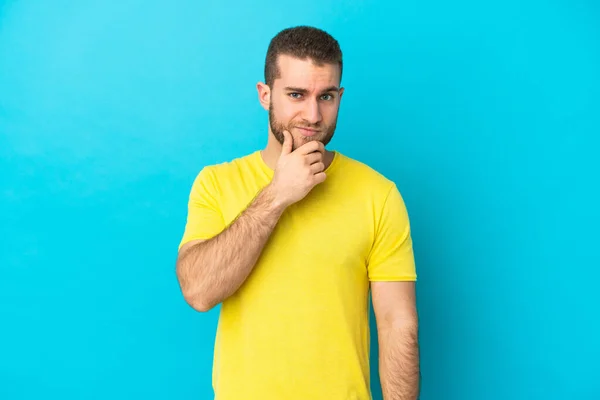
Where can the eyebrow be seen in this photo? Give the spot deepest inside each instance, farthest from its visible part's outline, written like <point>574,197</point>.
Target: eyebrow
<point>304,91</point>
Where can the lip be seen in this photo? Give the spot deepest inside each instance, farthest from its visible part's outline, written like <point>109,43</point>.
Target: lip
<point>308,131</point>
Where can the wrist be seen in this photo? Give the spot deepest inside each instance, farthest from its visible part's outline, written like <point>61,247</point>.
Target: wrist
<point>274,202</point>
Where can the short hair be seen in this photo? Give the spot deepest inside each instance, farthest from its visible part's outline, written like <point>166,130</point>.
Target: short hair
<point>302,42</point>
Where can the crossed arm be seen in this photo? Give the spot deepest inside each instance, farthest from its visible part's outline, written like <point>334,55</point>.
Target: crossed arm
<point>397,328</point>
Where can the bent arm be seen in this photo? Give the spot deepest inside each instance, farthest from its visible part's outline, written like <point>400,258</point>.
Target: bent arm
<point>209,271</point>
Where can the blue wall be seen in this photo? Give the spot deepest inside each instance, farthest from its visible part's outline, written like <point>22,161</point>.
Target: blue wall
<point>485,114</point>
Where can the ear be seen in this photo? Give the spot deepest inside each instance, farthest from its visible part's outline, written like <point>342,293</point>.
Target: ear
<point>341,92</point>
<point>264,95</point>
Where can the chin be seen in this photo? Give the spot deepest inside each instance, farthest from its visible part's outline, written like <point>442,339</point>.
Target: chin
<point>306,139</point>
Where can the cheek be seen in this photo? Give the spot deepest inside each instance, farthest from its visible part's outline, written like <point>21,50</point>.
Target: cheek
<point>285,112</point>
<point>329,113</point>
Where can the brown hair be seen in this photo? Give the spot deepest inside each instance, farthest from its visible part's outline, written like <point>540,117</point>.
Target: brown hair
<point>302,42</point>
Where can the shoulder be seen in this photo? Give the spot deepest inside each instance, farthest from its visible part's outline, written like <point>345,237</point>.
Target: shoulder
<point>210,177</point>
<point>380,192</point>
<point>364,175</point>
<point>364,182</point>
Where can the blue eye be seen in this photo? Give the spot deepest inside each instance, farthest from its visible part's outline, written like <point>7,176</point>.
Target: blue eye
<point>328,97</point>
<point>295,94</point>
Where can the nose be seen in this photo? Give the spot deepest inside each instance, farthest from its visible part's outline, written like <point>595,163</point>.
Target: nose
<point>312,112</point>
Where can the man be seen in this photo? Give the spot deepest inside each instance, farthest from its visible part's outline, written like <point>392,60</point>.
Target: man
<point>290,240</point>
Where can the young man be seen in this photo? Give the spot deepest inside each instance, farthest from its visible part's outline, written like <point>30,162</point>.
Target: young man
<point>290,240</point>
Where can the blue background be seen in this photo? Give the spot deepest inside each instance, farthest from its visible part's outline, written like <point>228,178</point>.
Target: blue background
<point>486,114</point>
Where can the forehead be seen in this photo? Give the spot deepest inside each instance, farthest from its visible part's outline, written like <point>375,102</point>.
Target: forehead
<point>305,73</point>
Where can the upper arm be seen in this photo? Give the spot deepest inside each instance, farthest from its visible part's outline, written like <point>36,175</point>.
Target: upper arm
<point>391,256</point>
<point>394,304</point>
<point>204,216</point>
<point>391,265</point>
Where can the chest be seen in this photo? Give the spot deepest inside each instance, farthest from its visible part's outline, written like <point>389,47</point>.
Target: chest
<point>329,233</point>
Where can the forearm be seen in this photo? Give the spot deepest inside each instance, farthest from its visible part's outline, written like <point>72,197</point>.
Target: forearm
<point>399,362</point>
<point>213,270</point>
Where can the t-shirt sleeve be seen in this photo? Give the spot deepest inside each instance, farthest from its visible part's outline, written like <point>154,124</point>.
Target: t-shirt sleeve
<point>204,217</point>
<point>391,257</point>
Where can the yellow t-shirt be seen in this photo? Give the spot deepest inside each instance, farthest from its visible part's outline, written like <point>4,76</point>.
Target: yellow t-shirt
<point>298,328</point>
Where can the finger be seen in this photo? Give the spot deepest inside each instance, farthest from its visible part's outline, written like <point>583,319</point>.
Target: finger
<point>311,146</point>
<point>314,157</point>
<point>317,167</point>
<point>288,142</point>
<point>319,178</point>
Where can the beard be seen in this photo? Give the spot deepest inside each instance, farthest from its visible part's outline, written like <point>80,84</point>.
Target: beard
<point>324,135</point>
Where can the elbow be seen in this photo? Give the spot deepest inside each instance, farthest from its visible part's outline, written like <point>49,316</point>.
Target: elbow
<point>410,327</point>
<point>197,302</point>
<point>194,297</point>
<point>403,326</point>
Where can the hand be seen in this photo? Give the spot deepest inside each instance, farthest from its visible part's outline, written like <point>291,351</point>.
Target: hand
<point>298,171</point>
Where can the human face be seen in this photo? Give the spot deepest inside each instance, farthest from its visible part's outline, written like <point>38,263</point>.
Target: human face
<point>304,100</point>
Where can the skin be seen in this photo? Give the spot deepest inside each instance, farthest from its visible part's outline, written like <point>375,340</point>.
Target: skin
<point>305,95</point>
<point>303,104</point>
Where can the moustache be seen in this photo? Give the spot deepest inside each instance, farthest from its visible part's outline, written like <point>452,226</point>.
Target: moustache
<point>314,127</point>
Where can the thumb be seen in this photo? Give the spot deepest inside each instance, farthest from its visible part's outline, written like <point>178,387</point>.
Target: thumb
<point>288,142</point>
